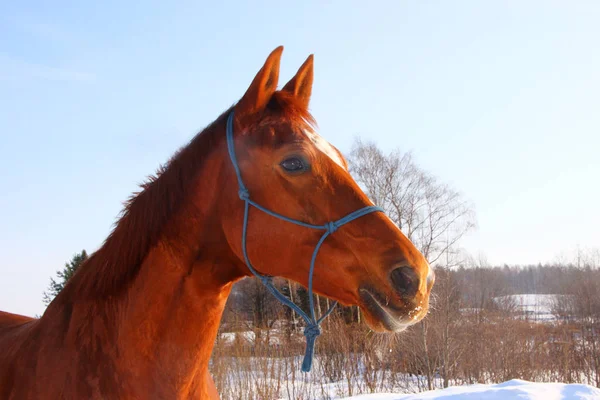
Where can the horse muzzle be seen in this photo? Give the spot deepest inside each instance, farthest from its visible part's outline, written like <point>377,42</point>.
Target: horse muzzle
<point>407,304</point>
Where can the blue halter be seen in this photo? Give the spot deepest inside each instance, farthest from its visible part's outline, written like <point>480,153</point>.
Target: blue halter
<point>312,330</point>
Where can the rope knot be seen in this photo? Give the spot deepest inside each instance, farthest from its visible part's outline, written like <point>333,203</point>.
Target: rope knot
<point>312,331</point>
<point>331,227</point>
<point>244,194</point>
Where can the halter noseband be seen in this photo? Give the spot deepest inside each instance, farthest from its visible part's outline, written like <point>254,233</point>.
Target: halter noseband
<point>312,330</point>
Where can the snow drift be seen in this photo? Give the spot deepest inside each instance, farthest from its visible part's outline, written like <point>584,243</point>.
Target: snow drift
<point>511,390</point>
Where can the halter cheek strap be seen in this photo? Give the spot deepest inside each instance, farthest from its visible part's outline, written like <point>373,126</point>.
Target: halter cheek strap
<point>312,330</point>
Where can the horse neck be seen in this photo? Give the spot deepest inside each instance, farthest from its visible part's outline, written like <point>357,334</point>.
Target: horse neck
<point>162,319</point>
<point>171,319</point>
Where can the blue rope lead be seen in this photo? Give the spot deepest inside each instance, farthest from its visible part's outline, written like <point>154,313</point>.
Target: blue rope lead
<point>312,330</point>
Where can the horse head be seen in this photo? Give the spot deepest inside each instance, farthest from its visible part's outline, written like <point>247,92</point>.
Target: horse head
<point>295,175</point>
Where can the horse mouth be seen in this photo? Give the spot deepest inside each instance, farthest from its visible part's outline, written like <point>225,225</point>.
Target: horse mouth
<point>381,315</point>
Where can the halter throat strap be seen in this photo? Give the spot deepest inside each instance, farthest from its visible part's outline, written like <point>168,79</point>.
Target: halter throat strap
<point>311,330</point>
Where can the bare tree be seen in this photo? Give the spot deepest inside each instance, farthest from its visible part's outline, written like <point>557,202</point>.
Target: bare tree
<point>431,214</point>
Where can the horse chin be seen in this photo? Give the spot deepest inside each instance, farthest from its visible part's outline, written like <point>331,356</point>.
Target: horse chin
<point>383,317</point>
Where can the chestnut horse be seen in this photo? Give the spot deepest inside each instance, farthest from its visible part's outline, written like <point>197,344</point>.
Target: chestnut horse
<point>139,318</point>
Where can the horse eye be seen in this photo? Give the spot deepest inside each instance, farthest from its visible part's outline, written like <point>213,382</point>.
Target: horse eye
<point>293,165</point>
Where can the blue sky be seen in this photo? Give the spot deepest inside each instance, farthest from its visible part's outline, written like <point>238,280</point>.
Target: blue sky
<point>498,99</point>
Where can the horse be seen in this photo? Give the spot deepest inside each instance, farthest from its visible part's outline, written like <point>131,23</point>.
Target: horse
<point>139,318</point>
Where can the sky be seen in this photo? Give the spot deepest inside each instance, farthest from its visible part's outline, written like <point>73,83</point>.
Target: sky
<point>498,99</point>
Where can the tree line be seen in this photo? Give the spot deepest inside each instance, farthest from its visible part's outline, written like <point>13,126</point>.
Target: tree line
<point>476,332</point>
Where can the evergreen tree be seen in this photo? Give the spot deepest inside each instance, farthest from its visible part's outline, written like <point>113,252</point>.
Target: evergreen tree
<point>63,276</point>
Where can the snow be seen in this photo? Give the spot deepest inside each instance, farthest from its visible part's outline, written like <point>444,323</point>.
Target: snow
<point>250,378</point>
<point>312,386</point>
<point>534,307</point>
<point>515,389</point>
<point>250,337</point>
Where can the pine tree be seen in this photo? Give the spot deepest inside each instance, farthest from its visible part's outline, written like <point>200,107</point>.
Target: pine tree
<point>63,276</point>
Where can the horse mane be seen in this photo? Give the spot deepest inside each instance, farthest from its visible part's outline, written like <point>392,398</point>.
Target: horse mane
<point>145,214</point>
<point>142,220</point>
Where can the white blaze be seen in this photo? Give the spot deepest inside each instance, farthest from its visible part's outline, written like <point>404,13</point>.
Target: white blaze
<point>324,147</point>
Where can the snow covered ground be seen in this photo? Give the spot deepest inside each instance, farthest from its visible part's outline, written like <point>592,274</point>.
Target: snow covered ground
<point>534,307</point>
<point>315,387</point>
<point>511,390</point>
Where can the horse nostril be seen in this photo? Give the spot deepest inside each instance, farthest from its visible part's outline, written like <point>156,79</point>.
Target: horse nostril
<point>405,281</point>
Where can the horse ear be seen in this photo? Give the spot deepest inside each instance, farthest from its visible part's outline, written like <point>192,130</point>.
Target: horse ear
<point>301,84</point>
<point>263,86</point>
